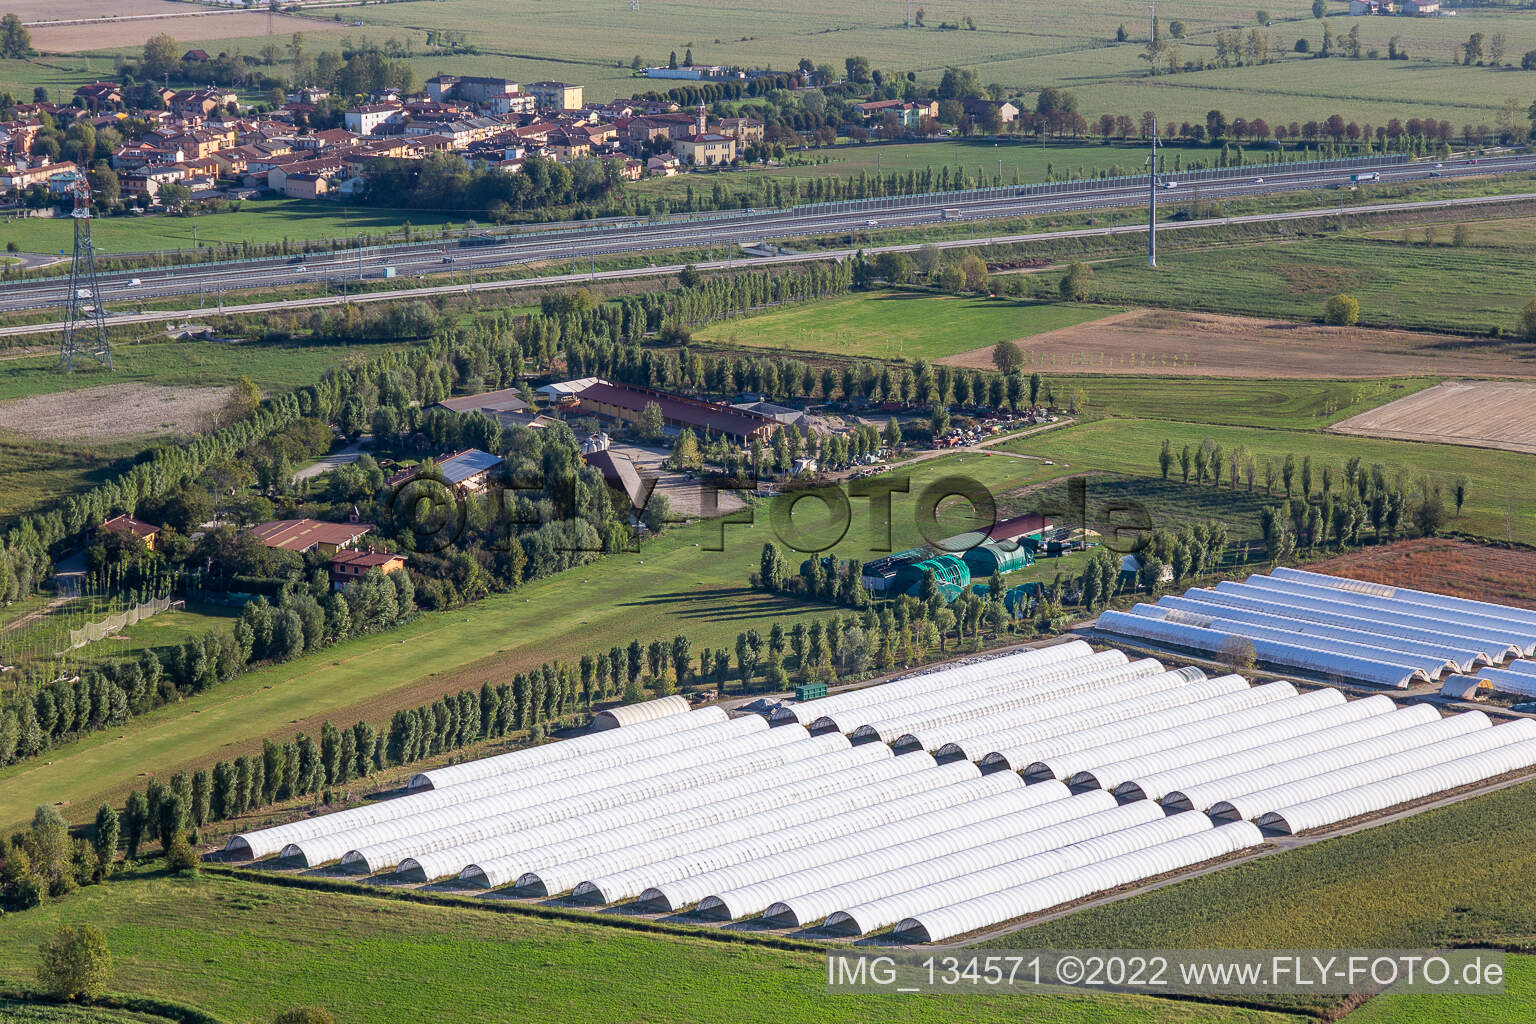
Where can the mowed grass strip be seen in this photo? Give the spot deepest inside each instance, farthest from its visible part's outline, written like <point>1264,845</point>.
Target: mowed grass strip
<point>1501,496</point>
<point>1288,404</point>
<point>899,325</point>
<point>246,950</point>
<point>675,584</point>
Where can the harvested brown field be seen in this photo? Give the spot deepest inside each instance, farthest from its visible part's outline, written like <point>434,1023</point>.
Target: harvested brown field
<point>133,22</point>
<point>1171,343</point>
<point>112,412</point>
<point>1458,568</point>
<point>1479,413</point>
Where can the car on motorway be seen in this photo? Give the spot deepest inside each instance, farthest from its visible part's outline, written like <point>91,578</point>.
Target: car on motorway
<point>1170,184</point>
<point>133,282</point>
<point>447,259</point>
<point>871,222</point>
<point>1439,165</point>
<point>1434,174</point>
<point>1258,181</point>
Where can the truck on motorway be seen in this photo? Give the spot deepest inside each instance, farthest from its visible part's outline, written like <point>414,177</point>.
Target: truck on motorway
<point>949,215</point>
<point>1365,176</point>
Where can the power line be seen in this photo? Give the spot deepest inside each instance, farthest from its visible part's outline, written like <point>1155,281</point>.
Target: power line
<point>85,322</point>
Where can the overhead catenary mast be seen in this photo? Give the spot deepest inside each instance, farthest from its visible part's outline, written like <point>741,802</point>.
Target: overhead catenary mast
<point>85,322</point>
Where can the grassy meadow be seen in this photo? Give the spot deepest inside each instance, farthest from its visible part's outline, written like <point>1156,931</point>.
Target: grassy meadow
<point>898,325</point>
<point>246,950</point>
<point>1401,279</point>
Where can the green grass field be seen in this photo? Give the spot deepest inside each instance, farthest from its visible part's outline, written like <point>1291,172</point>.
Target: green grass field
<point>1514,1007</point>
<point>899,325</point>
<point>1501,498</point>
<point>1271,404</point>
<point>674,585</point>
<point>246,950</point>
<point>1399,283</point>
<point>34,472</point>
<point>273,367</point>
<point>257,222</point>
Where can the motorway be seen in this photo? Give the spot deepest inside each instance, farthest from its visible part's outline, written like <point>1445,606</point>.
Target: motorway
<point>722,233</point>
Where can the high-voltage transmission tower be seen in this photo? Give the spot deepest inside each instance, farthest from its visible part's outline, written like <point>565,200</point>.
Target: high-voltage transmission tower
<point>85,322</point>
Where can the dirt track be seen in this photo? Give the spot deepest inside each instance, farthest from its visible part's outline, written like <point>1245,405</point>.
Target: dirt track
<point>1483,414</point>
<point>1168,343</point>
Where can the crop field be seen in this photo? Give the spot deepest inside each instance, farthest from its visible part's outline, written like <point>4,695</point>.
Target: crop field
<point>1022,46</point>
<point>1473,288</point>
<point>1177,343</point>
<point>246,950</point>
<point>114,411</point>
<point>897,325</point>
<point>676,584</point>
<point>1483,414</point>
<point>1501,575</point>
<point>184,23</point>
<point>1501,497</point>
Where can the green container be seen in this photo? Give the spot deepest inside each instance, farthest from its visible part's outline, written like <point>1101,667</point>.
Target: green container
<point>810,691</point>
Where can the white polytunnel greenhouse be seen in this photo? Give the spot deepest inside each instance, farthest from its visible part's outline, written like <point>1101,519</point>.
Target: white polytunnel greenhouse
<point>1431,666</point>
<point>512,777</point>
<point>1520,627</point>
<point>1062,674</point>
<point>1066,717</point>
<point>807,712</point>
<point>1253,805</point>
<point>1453,605</point>
<point>863,918</point>
<point>1460,658</point>
<point>792,839</point>
<point>1401,789</point>
<point>1064,764</point>
<point>1110,772</point>
<point>1500,680</point>
<point>585,812</point>
<point>627,715</point>
<point>1502,639</point>
<point>1153,776</point>
<point>501,764</point>
<point>969,796</point>
<point>681,769</point>
<point>1490,648</point>
<point>1201,796</point>
<point>934,738</point>
<point>557,869</point>
<point>895,722</point>
<point>1290,655</point>
<point>931,834</point>
<point>718,801</point>
<point>1054,890</point>
<point>1017,749</point>
<point>799,901</point>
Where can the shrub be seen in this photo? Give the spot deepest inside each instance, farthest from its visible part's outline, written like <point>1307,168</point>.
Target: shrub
<point>304,1015</point>
<point>75,963</point>
<point>1342,310</point>
<point>180,857</point>
<point>1074,284</point>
